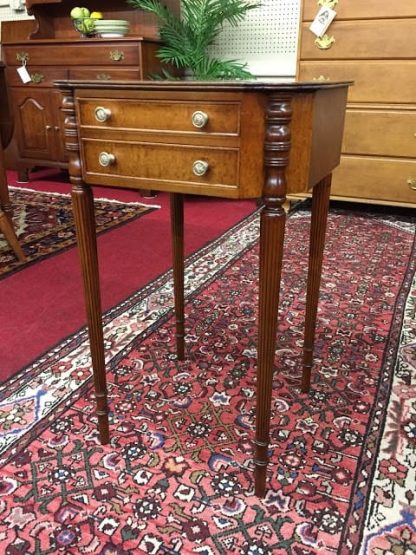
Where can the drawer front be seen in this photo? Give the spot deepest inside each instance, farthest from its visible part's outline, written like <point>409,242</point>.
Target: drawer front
<point>105,73</point>
<point>374,81</point>
<point>363,39</point>
<point>359,9</point>
<point>158,163</point>
<point>95,54</point>
<point>41,76</point>
<point>156,115</point>
<point>385,133</point>
<point>375,178</point>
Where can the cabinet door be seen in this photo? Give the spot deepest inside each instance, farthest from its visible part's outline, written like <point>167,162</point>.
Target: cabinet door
<point>34,123</point>
<point>58,132</point>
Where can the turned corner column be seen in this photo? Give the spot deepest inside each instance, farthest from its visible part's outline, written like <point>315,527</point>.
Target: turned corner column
<point>272,229</point>
<point>84,216</point>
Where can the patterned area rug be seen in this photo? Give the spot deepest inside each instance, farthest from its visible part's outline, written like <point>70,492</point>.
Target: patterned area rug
<point>177,476</point>
<point>44,224</point>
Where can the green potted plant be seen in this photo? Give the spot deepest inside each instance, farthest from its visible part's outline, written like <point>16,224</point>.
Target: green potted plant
<point>187,38</point>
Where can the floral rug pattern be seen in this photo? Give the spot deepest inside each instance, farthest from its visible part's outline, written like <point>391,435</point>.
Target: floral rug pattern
<point>176,477</point>
<point>44,224</point>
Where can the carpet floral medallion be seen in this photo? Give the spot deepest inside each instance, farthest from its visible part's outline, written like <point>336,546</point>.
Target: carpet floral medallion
<point>44,224</point>
<point>176,477</point>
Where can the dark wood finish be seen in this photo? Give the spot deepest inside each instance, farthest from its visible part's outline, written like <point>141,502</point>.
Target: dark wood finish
<point>279,147</point>
<point>6,210</point>
<point>55,50</point>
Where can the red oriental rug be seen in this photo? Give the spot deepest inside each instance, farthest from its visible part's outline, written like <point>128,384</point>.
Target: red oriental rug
<point>177,475</point>
<point>44,224</point>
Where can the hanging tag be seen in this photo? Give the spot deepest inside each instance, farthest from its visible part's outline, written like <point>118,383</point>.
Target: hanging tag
<point>322,21</point>
<point>24,74</point>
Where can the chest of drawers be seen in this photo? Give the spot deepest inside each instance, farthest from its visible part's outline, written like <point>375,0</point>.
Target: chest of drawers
<point>374,44</point>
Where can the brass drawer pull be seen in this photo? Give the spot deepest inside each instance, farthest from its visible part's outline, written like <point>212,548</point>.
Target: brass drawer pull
<point>22,57</point>
<point>37,77</point>
<point>328,3</point>
<point>106,159</point>
<point>412,183</point>
<point>116,55</point>
<point>325,42</point>
<point>102,114</point>
<point>199,119</point>
<point>200,167</point>
<point>103,77</point>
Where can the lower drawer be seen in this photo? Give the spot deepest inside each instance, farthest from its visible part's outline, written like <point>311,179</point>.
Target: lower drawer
<point>105,73</point>
<point>156,164</point>
<point>377,179</point>
<point>380,132</point>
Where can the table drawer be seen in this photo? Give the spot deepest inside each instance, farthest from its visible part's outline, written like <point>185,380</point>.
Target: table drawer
<point>374,81</point>
<point>363,39</point>
<point>148,162</point>
<point>358,9</point>
<point>104,73</point>
<point>384,133</point>
<point>75,54</point>
<point>41,76</point>
<point>162,115</point>
<point>383,179</point>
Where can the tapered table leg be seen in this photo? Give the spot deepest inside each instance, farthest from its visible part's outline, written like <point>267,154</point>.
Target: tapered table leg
<point>320,206</point>
<point>176,206</point>
<point>272,231</point>
<point>83,206</point>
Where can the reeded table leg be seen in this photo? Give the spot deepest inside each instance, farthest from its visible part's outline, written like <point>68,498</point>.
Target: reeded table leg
<point>176,207</point>
<point>83,205</point>
<point>320,206</point>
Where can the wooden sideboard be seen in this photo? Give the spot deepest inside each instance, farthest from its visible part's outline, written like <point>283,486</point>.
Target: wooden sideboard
<point>372,43</point>
<point>52,49</point>
<point>225,139</point>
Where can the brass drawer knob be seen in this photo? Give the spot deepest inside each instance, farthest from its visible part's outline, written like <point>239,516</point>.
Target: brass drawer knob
<point>412,183</point>
<point>102,114</point>
<point>200,167</point>
<point>106,159</point>
<point>199,119</point>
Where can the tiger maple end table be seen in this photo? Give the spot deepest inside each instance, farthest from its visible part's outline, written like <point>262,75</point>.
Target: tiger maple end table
<point>224,139</point>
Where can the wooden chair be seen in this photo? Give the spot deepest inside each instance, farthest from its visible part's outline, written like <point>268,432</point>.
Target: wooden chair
<point>6,212</point>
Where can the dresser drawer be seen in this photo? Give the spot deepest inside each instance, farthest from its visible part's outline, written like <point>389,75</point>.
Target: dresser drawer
<point>75,54</point>
<point>363,39</point>
<point>160,164</point>
<point>360,9</point>
<point>157,115</point>
<point>41,76</point>
<point>375,179</point>
<point>386,133</point>
<point>374,81</point>
<point>105,73</point>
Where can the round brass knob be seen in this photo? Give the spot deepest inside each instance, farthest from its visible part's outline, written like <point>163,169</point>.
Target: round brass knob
<point>412,183</point>
<point>199,119</point>
<point>102,114</point>
<point>200,167</point>
<point>106,159</point>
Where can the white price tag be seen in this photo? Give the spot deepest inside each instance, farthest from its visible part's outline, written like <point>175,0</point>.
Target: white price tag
<point>322,21</point>
<point>24,74</point>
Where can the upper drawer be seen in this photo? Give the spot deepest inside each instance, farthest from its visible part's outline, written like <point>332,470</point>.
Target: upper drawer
<point>166,115</point>
<point>374,81</point>
<point>389,38</point>
<point>385,133</point>
<point>360,9</point>
<point>110,53</point>
<point>41,76</point>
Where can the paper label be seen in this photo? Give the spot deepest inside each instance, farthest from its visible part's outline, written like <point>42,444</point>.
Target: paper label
<point>322,21</point>
<point>24,74</point>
